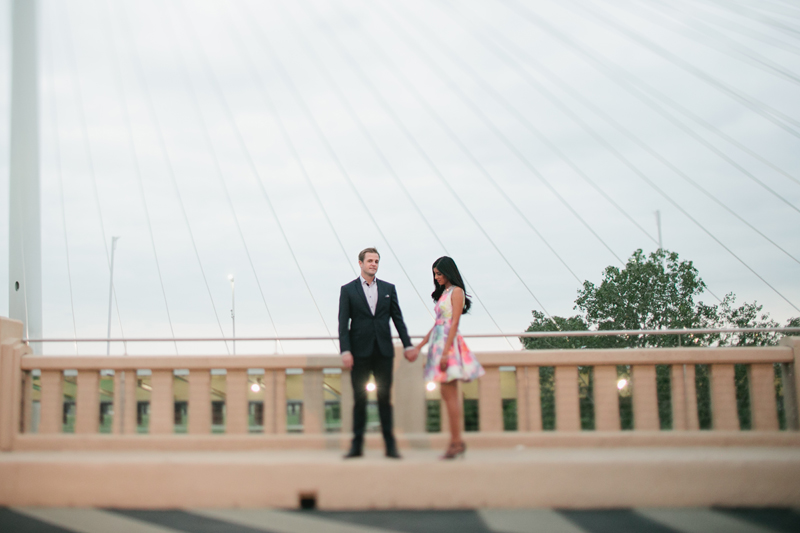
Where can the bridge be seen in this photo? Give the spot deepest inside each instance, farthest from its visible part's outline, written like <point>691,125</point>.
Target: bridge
<point>243,456</point>
<point>263,139</point>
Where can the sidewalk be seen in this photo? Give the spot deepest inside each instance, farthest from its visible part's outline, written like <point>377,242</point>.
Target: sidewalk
<point>578,478</point>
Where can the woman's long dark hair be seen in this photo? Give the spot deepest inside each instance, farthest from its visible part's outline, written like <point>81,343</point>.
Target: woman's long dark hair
<point>448,268</point>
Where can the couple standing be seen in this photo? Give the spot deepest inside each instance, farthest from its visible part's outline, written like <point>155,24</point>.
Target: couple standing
<point>365,306</point>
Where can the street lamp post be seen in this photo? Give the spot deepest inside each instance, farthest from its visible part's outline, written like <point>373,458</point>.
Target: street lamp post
<point>111,292</point>
<point>233,311</point>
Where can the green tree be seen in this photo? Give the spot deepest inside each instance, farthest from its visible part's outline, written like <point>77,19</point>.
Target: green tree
<point>652,292</point>
<point>748,315</point>
<point>541,323</point>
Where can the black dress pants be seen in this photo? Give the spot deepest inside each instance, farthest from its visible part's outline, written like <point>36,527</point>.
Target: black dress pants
<point>381,367</point>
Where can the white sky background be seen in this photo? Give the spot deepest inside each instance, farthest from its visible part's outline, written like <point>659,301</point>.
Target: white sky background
<point>152,109</point>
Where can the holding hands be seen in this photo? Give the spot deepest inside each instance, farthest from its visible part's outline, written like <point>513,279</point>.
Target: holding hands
<point>412,353</point>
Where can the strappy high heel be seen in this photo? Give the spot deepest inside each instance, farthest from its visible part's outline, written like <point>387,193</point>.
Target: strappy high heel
<point>455,450</point>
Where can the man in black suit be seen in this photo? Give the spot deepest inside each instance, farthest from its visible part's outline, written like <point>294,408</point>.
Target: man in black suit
<point>365,306</point>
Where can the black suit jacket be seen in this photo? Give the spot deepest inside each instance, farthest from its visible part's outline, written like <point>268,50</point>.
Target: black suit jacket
<point>359,329</point>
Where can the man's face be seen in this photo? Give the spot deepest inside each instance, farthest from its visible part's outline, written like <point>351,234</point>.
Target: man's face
<point>369,266</point>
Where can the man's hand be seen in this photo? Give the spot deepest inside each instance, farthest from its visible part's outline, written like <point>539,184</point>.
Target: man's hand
<point>411,354</point>
<point>347,360</point>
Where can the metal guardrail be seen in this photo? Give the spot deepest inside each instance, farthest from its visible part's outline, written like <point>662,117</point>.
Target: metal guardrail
<point>524,334</point>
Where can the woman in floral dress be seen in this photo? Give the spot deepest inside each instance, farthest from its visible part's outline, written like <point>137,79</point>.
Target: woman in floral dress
<point>449,358</point>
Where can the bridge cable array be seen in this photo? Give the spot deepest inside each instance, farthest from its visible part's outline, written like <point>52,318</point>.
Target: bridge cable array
<point>502,47</point>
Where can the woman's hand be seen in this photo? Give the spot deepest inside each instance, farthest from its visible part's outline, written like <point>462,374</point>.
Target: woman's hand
<point>445,358</point>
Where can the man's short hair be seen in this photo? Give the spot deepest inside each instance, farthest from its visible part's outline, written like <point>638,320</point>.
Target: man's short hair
<point>366,251</point>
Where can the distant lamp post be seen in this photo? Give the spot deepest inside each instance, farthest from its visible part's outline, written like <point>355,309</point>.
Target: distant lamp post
<point>233,311</point>
<point>111,292</point>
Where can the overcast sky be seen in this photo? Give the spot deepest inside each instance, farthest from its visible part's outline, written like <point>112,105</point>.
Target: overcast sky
<point>531,141</point>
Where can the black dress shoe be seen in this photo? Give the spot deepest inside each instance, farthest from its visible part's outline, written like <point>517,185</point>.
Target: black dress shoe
<point>391,451</point>
<point>355,451</point>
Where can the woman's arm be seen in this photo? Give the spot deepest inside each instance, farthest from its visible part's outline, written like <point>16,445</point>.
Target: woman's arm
<point>425,340</point>
<point>457,299</point>
<point>413,353</point>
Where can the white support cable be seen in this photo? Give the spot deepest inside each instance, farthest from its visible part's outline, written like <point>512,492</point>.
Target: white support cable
<point>766,111</point>
<point>649,95</point>
<point>140,182</point>
<point>135,159</point>
<point>49,62</point>
<point>335,158</point>
<point>486,120</point>
<point>711,16</point>
<point>662,16</point>
<point>754,14</point>
<point>80,107</point>
<point>534,19</point>
<point>217,167</point>
<point>575,116</point>
<point>532,128</point>
<point>780,7</point>
<point>382,156</point>
<point>406,83</point>
<point>248,156</point>
<point>265,95</point>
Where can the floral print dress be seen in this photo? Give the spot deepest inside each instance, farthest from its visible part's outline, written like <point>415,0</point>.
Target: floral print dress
<point>461,363</point>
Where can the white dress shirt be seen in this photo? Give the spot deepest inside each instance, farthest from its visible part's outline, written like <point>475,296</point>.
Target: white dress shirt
<point>371,292</point>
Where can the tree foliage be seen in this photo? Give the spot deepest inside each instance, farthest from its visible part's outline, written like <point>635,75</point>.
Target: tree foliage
<point>656,291</point>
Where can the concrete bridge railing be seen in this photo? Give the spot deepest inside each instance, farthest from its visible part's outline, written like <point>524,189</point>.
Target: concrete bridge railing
<point>181,393</point>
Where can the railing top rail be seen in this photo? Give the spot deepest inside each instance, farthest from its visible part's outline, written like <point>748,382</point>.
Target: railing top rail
<point>579,357</point>
<point>524,334</point>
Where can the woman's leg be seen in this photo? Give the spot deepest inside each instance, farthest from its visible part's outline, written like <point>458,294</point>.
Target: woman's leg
<point>450,397</point>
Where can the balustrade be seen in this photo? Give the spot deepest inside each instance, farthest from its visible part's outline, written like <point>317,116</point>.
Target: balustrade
<point>28,379</point>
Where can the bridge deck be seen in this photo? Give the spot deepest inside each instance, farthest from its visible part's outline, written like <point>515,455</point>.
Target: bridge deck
<point>519,477</point>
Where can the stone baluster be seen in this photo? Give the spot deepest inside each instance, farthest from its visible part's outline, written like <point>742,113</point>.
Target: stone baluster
<point>162,403</point>
<point>529,399</point>
<point>762,397</point>
<point>645,401</point>
<point>568,415</point>
<point>313,402</point>
<point>606,398</point>
<point>684,398</point>
<point>279,405</point>
<point>125,383</point>
<point>52,402</point>
<point>199,402</point>
<point>236,402</point>
<point>490,402</point>
<point>87,402</point>
<point>723,398</point>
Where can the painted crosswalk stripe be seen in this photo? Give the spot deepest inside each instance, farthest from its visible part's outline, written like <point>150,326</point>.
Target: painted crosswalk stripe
<point>527,520</point>
<point>701,521</point>
<point>91,520</point>
<point>285,521</point>
<point>613,521</point>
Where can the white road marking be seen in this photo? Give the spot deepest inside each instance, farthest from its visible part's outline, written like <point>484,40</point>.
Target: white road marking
<point>695,520</point>
<point>91,520</point>
<point>527,521</point>
<point>285,521</point>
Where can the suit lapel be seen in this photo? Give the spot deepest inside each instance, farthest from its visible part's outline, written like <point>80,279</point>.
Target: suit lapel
<point>381,295</point>
<point>360,291</point>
